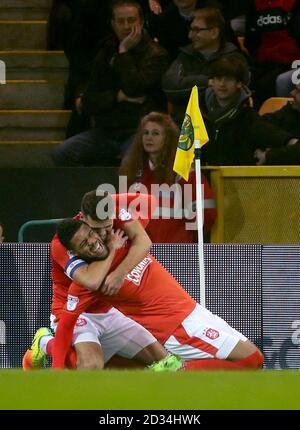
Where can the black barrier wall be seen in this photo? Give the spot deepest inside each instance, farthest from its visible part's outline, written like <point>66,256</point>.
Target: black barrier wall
<point>255,288</point>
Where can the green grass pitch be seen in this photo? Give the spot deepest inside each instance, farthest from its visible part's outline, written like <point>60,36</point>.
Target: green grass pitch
<point>128,390</point>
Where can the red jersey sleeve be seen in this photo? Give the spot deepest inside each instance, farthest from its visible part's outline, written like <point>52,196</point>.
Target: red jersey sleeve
<point>64,258</point>
<point>134,206</point>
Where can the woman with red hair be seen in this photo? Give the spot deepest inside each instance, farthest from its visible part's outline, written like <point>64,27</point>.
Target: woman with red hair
<point>149,163</point>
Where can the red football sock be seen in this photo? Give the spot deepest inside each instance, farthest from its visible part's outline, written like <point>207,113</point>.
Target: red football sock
<point>63,339</point>
<point>253,361</point>
<point>71,358</point>
<point>49,347</point>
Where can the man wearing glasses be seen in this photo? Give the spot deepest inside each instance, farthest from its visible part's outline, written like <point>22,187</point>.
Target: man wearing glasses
<point>193,64</point>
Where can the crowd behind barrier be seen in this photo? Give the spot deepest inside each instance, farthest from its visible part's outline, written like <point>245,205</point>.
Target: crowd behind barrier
<point>123,65</point>
<point>109,109</point>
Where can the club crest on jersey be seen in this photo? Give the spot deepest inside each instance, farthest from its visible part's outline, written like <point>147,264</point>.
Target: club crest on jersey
<point>124,215</point>
<point>72,302</point>
<point>212,334</point>
<point>81,322</point>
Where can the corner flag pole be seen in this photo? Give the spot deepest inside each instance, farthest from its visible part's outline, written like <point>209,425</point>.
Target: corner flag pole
<point>199,217</point>
<point>192,137</point>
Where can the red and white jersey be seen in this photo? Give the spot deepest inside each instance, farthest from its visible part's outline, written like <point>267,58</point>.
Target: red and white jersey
<point>176,208</point>
<point>64,263</point>
<point>149,295</point>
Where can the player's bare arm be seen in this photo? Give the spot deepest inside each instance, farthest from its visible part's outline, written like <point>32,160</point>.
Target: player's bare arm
<point>140,246</point>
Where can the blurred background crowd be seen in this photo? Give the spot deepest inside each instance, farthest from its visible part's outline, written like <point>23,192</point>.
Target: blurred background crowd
<point>132,65</point>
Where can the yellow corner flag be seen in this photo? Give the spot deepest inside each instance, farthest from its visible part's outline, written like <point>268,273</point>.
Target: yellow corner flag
<point>192,129</point>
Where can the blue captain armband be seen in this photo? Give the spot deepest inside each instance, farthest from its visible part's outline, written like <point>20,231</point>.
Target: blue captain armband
<point>72,265</point>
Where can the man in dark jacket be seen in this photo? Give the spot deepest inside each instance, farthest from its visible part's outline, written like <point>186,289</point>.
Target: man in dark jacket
<point>234,128</point>
<point>125,85</point>
<point>173,25</point>
<point>287,118</point>
<point>193,64</point>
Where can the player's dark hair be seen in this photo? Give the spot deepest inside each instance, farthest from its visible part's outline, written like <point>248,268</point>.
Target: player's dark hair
<point>90,201</point>
<point>66,229</point>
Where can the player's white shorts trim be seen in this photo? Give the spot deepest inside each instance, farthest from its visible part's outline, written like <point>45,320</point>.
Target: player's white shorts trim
<point>116,333</point>
<point>203,335</point>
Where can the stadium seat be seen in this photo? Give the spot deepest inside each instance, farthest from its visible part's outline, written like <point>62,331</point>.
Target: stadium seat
<point>272,104</point>
<point>35,223</point>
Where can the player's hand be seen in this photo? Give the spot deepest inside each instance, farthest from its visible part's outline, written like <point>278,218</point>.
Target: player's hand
<point>117,239</point>
<point>112,284</point>
<point>132,39</point>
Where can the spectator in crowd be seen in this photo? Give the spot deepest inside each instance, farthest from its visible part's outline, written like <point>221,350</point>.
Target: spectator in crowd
<point>179,15</point>
<point>149,161</point>
<point>1,232</point>
<point>234,128</point>
<point>77,26</point>
<point>235,12</point>
<point>125,84</point>
<point>288,118</point>
<point>193,64</point>
<point>272,39</point>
